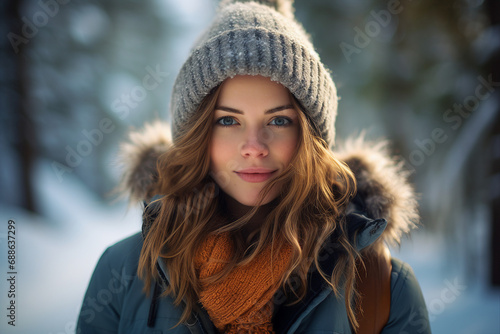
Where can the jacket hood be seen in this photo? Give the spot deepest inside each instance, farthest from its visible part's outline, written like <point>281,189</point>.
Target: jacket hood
<point>383,190</point>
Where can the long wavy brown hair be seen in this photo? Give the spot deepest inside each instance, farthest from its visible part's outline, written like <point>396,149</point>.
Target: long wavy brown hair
<point>315,188</point>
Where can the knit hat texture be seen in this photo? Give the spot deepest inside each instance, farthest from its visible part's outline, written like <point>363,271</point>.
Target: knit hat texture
<point>256,38</point>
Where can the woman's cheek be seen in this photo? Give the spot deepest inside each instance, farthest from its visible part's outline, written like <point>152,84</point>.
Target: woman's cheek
<point>287,145</point>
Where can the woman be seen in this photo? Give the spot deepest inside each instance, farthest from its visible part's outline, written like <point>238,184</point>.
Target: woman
<point>251,223</point>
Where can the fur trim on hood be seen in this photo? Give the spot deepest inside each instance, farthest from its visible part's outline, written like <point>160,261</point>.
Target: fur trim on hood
<point>383,190</point>
<point>382,186</point>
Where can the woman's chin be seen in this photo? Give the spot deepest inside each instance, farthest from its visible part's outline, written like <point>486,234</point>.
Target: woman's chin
<point>246,201</point>
<point>252,200</point>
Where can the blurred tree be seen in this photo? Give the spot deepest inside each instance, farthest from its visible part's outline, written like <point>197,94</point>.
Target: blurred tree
<point>87,55</point>
<point>16,127</point>
<point>75,76</point>
<point>494,261</point>
<point>493,62</point>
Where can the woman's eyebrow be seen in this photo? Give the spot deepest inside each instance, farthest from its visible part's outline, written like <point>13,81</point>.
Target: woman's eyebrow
<point>270,111</point>
<point>236,111</point>
<point>285,107</point>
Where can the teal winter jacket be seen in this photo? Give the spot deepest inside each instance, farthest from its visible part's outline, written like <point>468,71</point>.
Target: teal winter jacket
<point>383,210</point>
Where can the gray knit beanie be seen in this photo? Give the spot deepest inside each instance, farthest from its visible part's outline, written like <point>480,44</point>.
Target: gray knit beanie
<point>259,37</point>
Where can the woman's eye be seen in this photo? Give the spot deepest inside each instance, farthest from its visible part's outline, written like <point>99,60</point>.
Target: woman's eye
<point>281,121</point>
<point>226,121</point>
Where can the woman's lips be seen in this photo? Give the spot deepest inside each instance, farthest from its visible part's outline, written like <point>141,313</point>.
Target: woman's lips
<point>255,175</point>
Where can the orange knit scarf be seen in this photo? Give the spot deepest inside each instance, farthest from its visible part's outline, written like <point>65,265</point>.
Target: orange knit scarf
<point>242,302</point>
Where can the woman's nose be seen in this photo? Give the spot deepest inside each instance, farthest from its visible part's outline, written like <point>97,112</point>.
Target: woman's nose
<point>255,144</point>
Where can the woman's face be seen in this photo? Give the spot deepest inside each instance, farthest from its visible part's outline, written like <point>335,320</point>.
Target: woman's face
<point>255,135</point>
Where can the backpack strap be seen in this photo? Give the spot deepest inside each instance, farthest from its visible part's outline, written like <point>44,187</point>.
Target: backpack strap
<point>374,288</point>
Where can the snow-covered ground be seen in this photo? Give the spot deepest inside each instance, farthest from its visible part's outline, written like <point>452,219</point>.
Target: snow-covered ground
<point>454,305</point>
<point>55,256</point>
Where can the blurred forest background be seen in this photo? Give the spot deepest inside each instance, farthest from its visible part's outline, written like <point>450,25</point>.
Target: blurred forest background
<point>76,76</point>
